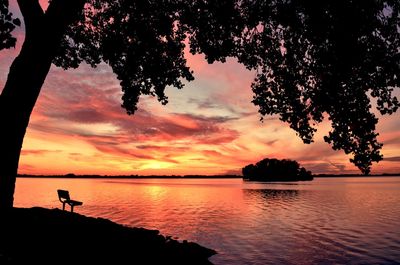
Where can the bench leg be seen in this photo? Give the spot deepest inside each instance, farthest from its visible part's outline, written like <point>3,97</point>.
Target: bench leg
<point>72,208</point>
<point>63,206</point>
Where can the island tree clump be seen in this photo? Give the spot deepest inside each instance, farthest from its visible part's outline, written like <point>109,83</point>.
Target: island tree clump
<point>276,170</point>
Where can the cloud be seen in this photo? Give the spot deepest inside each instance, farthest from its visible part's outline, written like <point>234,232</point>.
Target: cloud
<point>271,142</point>
<point>38,152</point>
<point>209,105</point>
<point>23,167</point>
<point>233,172</point>
<point>340,167</point>
<point>167,149</point>
<point>212,153</point>
<point>85,101</point>
<point>328,168</point>
<point>209,127</point>
<point>392,159</point>
<point>86,116</point>
<point>115,149</point>
<point>392,141</point>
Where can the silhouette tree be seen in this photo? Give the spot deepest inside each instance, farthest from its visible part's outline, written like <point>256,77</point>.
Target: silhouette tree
<point>312,60</point>
<point>272,169</point>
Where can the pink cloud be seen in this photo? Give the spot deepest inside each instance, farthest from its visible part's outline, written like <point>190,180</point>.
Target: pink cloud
<point>38,152</point>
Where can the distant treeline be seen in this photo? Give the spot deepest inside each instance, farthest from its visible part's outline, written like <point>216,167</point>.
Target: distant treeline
<point>70,175</point>
<point>188,176</point>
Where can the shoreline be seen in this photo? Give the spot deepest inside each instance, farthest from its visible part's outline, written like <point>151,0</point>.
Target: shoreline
<point>73,176</point>
<point>48,236</point>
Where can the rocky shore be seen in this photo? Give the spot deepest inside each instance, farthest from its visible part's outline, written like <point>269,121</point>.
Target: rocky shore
<point>51,236</point>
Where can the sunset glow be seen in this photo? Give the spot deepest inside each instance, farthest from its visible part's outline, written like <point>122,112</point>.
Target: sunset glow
<point>209,127</point>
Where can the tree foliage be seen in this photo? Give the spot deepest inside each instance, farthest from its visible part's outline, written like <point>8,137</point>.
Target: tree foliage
<point>7,25</point>
<point>313,60</point>
<point>272,169</point>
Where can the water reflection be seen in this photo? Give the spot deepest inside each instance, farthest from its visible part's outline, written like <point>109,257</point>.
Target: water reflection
<point>271,194</point>
<point>326,221</point>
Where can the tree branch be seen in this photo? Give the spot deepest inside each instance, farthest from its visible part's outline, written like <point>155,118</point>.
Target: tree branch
<point>32,13</point>
<point>62,13</point>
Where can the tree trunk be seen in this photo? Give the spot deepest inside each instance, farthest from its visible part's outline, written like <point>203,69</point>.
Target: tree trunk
<point>25,79</point>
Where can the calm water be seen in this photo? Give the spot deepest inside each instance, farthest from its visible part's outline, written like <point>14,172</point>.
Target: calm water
<point>326,221</point>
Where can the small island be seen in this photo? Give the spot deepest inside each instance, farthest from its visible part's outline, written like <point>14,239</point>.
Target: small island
<point>272,169</point>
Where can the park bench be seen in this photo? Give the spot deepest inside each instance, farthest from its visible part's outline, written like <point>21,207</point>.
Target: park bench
<point>63,196</point>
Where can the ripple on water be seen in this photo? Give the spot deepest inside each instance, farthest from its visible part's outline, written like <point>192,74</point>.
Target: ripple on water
<point>326,221</point>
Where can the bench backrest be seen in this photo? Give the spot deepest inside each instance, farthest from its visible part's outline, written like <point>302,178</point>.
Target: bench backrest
<point>63,194</point>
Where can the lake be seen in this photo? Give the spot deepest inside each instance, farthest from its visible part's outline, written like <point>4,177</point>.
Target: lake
<point>326,221</point>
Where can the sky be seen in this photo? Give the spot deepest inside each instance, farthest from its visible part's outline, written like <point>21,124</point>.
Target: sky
<point>209,127</point>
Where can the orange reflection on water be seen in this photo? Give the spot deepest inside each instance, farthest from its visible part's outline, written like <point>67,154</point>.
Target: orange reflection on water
<point>326,221</point>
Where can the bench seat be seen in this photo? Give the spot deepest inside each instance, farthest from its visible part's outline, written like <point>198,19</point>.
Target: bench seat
<point>63,196</point>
